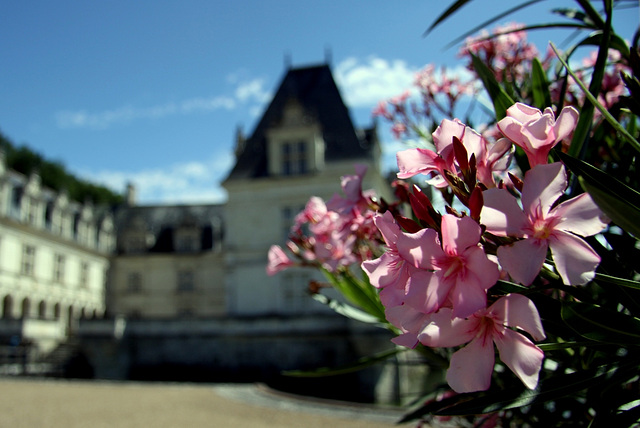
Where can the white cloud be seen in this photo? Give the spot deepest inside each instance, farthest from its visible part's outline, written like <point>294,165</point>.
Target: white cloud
<point>364,83</point>
<point>251,91</point>
<point>191,182</point>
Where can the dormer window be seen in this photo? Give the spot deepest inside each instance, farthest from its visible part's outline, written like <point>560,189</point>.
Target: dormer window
<point>295,151</point>
<point>294,158</point>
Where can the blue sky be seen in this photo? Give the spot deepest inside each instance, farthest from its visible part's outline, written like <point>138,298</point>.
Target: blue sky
<point>152,91</point>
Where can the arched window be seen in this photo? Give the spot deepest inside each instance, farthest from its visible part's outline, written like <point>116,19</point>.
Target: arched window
<point>26,308</point>
<point>42,310</point>
<point>7,307</point>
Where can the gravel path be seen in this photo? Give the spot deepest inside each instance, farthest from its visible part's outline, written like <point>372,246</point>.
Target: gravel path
<point>37,403</point>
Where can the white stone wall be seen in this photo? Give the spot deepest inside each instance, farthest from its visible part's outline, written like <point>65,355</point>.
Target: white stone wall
<point>31,235</point>
<point>158,294</point>
<point>254,222</point>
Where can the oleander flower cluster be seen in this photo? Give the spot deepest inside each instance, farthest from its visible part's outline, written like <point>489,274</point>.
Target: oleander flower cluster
<point>332,235</point>
<point>436,276</point>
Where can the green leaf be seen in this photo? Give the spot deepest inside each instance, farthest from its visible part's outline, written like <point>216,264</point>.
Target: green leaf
<point>622,213</point>
<point>585,121</point>
<point>575,15</point>
<point>506,287</point>
<point>617,281</point>
<point>360,364</point>
<point>600,324</point>
<point>489,22</point>
<point>446,14</point>
<point>540,86</point>
<point>616,42</point>
<point>501,101</point>
<point>557,386</point>
<point>359,293</point>
<point>593,14</point>
<point>618,201</point>
<point>348,310</point>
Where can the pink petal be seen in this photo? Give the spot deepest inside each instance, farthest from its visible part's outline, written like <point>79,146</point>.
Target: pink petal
<point>539,132</point>
<point>426,292</point>
<point>420,248</point>
<point>521,356</point>
<point>501,213</point>
<point>392,296</point>
<point>498,149</point>
<point>513,130</point>
<point>543,185</point>
<point>523,259</point>
<point>408,340</point>
<point>443,331</point>
<point>416,161</point>
<point>278,260</point>
<point>575,260</point>
<point>580,215</point>
<point>523,113</point>
<point>519,312</point>
<point>477,262</point>
<point>474,143</point>
<point>459,233</point>
<point>406,318</point>
<point>388,228</point>
<point>468,298</point>
<point>444,133</point>
<point>471,367</point>
<point>565,123</point>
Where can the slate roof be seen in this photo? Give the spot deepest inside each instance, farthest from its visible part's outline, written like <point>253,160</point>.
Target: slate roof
<point>163,220</point>
<point>314,88</point>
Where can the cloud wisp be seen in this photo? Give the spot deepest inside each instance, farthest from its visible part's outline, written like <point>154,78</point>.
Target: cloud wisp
<point>364,83</point>
<point>194,182</point>
<point>251,92</point>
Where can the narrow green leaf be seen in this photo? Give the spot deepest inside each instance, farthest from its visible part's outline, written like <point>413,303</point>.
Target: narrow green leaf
<point>617,281</point>
<point>490,21</point>
<point>348,310</point>
<point>600,324</point>
<point>558,386</point>
<point>358,293</point>
<point>501,101</point>
<point>596,177</point>
<point>575,15</point>
<point>360,364</point>
<point>593,14</point>
<point>585,121</point>
<point>616,42</point>
<point>446,14</point>
<point>618,201</point>
<point>618,210</point>
<point>539,86</point>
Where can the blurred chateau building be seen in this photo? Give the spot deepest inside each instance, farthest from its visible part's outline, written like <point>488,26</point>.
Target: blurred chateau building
<point>209,260</point>
<point>187,288</point>
<point>54,260</point>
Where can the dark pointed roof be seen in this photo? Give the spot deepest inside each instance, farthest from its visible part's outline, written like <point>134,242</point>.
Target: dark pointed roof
<point>314,88</point>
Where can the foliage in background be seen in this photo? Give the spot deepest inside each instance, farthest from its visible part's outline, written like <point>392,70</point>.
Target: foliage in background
<point>55,176</point>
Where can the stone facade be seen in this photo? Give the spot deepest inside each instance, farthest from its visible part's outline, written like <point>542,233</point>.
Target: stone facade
<point>54,259</point>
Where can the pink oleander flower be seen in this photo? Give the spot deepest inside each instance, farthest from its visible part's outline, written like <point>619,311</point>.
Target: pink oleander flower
<point>278,260</point>
<point>354,198</point>
<point>471,367</point>
<point>541,225</point>
<point>508,53</point>
<point>489,159</point>
<point>390,272</point>
<point>537,132</point>
<point>461,272</point>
